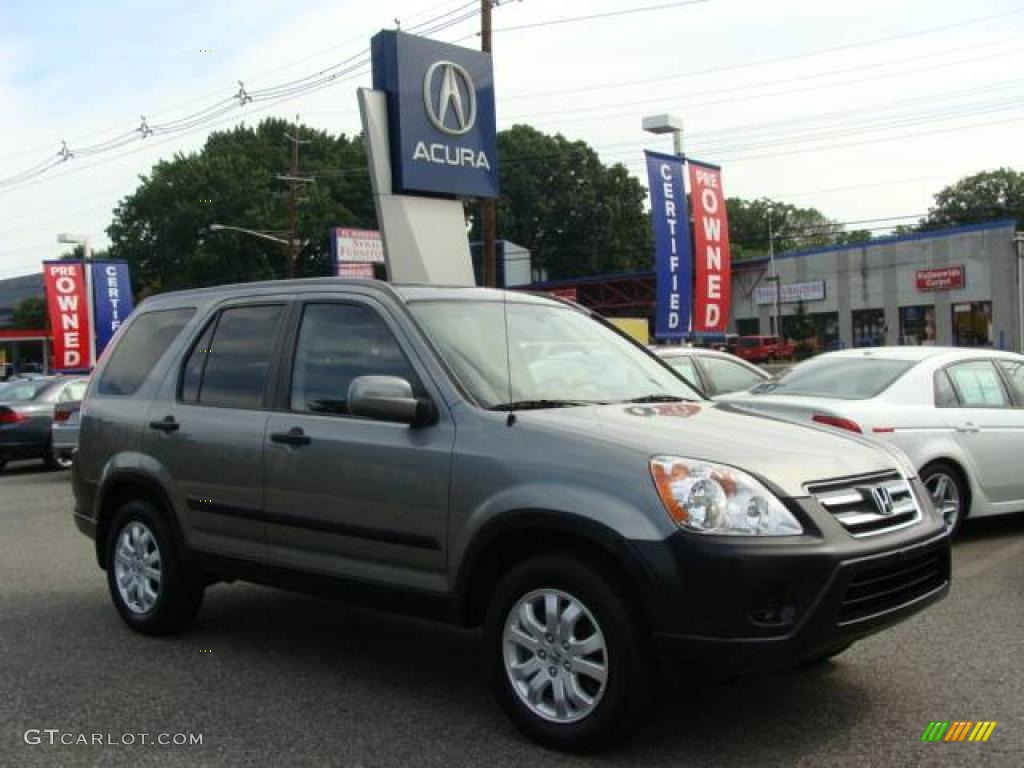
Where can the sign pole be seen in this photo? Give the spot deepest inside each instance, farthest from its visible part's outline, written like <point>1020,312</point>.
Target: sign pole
<point>488,212</point>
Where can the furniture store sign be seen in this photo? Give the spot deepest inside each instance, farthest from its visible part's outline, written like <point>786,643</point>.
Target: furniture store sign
<point>441,115</point>
<point>790,293</point>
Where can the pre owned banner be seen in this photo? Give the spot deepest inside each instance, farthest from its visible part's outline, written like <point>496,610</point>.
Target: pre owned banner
<point>69,315</point>
<point>672,257</point>
<point>112,299</point>
<point>711,246</point>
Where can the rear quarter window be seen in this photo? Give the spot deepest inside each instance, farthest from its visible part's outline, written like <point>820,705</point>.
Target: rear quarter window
<point>139,349</point>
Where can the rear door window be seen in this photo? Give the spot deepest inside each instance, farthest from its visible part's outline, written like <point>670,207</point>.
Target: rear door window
<point>140,347</point>
<point>230,370</point>
<point>978,385</point>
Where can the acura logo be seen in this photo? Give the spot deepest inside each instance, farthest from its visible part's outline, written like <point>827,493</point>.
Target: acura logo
<point>450,98</point>
<point>883,500</point>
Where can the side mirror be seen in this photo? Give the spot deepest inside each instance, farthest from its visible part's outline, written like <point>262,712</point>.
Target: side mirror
<point>389,398</point>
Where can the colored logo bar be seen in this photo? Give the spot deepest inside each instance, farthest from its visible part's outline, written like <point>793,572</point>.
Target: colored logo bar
<point>958,730</point>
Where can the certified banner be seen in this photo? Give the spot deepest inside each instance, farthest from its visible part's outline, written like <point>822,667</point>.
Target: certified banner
<point>112,299</point>
<point>711,246</point>
<point>67,306</point>
<point>673,262</point>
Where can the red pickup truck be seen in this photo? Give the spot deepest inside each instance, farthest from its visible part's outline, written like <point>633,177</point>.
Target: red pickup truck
<point>762,349</point>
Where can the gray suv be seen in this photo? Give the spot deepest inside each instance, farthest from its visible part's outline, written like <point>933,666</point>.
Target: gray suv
<point>491,459</point>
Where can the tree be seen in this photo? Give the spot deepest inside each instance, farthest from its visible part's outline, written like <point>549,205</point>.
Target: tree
<point>576,215</point>
<point>793,227</point>
<point>982,197</point>
<point>162,228</point>
<point>30,314</point>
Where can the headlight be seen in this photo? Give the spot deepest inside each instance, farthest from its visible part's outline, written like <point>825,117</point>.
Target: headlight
<point>713,498</point>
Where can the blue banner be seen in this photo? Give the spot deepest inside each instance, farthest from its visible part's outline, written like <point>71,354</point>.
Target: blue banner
<point>673,258</point>
<point>112,299</point>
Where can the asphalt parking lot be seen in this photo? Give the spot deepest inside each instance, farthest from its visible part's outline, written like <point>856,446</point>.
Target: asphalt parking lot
<point>270,678</point>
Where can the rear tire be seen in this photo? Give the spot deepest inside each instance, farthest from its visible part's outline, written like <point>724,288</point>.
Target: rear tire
<point>152,590</point>
<point>949,493</point>
<point>575,676</point>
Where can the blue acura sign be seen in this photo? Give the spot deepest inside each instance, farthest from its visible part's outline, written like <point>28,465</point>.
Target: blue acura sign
<point>440,115</point>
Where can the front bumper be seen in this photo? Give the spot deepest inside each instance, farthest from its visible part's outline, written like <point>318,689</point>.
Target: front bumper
<point>768,604</point>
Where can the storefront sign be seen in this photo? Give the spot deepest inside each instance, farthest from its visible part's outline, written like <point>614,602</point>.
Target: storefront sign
<point>711,248</point>
<point>941,279</point>
<point>68,311</point>
<point>440,115</point>
<point>362,245</point>
<point>790,293</point>
<point>672,257</point>
<point>354,269</point>
<point>112,299</point>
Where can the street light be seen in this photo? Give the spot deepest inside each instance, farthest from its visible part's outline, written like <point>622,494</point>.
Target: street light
<point>82,240</point>
<point>660,124</point>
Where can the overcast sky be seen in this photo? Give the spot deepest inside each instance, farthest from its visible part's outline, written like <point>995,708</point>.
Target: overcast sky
<point>862,109</point>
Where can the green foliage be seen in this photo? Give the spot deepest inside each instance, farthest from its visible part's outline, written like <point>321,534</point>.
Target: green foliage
<point>798,326</point>
<point>982,197</point>
<point>576,215</point>
<point>162,229</point>
<point>30,314</point>
<point>794,228</point>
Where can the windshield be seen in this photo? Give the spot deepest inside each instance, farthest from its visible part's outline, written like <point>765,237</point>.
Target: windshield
<point>845,378</point>
<point>557,354</point>
<point>22,391</point>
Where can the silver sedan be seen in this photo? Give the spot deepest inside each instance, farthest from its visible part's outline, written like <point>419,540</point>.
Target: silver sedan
<point>714,373</point>
<point>957,413</point>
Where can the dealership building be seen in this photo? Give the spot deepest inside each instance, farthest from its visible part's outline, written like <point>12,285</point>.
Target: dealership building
<point>958,286</point>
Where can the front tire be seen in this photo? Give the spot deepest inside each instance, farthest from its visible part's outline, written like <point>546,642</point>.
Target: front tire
<point>152,590</point>
<point>949,493</point>
<point>566,659</point>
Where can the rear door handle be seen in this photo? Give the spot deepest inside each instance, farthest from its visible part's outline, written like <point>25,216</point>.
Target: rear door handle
<point>968,427</point>
<point>165,425</point>
<point>294,436</point>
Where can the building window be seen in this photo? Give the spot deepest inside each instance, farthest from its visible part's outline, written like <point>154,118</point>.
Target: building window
<point>869,328</point>
<point>748,326</point>
<point>917,325</point>
<point>972,324</point>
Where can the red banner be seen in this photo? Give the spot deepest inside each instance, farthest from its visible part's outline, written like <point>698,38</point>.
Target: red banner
<point>69,315</point>
<point>941,279</point>
<point>711,249</point>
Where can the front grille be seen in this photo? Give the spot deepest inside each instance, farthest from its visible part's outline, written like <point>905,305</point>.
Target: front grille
<point>869,504</point>
<point>880,588</point>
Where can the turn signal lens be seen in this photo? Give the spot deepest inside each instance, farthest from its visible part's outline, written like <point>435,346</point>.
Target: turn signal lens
<point>836,421</point>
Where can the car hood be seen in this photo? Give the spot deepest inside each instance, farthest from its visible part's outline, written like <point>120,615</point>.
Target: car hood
<point>785,454</point>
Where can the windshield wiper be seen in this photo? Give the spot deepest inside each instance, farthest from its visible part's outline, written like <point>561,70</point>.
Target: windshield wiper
<point>659,399</point>
<point>533,405</point>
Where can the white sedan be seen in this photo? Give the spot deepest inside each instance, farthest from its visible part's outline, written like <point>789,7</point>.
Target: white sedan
<point>714,373</point>
<point>957,413</point>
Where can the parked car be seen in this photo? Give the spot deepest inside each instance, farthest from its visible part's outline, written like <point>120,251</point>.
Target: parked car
<point>957,413</point>
<point>26,414</point>
<point>64,433</point>
<point>714,373</point>
<point>763,349</point>
<point>386,444</point>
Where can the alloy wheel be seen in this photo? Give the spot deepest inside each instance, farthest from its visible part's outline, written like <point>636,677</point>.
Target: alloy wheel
<point>556,656</point>
<point>137,567</point>
<point>946,496</point>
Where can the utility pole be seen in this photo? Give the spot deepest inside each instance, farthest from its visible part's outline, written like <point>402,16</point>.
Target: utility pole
<point>293,180</point>
<point>777,330</point>
<point>488,211</point>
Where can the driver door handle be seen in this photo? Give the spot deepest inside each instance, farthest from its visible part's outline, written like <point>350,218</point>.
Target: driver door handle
<point>294,436</point>
<point>968,427</point>
<point>166,425</point>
